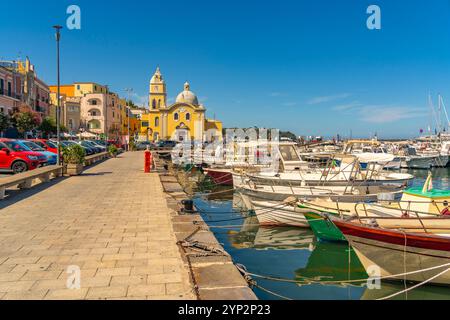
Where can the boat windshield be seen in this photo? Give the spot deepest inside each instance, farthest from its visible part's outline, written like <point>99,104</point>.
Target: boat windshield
<point>288,153</point>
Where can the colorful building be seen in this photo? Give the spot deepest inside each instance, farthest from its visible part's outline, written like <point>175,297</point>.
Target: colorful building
<point>101,111</point>
<point>10,90</point>
<point>21,81</point>
<point>70,112</point>
<point>183,120</point>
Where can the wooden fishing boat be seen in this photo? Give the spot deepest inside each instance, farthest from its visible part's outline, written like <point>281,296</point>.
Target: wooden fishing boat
<point>401,255</point>
<point>411,212</point>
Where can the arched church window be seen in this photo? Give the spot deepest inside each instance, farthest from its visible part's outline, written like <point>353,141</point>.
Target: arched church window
<point>154,104</point>
<point>175,116</point>
<point>156,121</point>
<point>188,116</point>
<point>159,103</point>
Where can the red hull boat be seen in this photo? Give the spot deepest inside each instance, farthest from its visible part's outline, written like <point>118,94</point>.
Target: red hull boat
<point>220,176</point>
<point>398,254</point>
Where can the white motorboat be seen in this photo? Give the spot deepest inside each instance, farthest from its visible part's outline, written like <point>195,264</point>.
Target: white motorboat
<point>371,151</point>
<point>348,173</point>
<point>336,193</point>
<point>278,214</point>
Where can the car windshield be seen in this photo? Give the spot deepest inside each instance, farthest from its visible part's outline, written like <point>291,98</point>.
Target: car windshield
<point>39,143</point>
<point>33,146</point>
<point>15,146</point>
<point>51,144</point>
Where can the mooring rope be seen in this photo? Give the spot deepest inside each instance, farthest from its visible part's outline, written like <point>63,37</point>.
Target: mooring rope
<point>415,286</point>
<point>309,280</point>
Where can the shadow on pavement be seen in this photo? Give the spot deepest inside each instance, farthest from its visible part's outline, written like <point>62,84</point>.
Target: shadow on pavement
<point>13,196</point>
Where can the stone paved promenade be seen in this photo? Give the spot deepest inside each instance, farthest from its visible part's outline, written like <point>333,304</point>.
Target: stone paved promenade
<point>112,222</point>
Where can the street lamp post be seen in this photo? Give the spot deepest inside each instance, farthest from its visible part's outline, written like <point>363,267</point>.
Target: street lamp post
<point>106,113</point>
<point>58,98</point>
<point>128,115</point>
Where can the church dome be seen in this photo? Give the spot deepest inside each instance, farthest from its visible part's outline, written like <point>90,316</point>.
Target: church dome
<point>187,96</point>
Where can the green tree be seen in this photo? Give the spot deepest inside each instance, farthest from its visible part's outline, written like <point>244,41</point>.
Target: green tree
<point>288,134</point>
<point>130,103</point>
<point>4,122</point>
<point>26,121</point>
<point>48,126</point>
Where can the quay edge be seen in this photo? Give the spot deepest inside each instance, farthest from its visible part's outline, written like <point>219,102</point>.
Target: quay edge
<point>213,275</point>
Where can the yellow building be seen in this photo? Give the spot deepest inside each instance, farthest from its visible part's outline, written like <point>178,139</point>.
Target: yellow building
<point>129,119</point>
<point>183,120</point>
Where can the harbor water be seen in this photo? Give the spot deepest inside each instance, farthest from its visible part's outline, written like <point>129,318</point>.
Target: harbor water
<point>292,264</point>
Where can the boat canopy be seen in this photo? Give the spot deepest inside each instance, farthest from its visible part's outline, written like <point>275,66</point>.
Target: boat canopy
<point>433,194</point>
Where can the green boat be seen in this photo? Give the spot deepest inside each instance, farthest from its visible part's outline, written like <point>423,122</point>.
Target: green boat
<point>323,228</point>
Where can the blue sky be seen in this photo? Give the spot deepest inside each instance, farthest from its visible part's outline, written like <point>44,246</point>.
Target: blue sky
<point>311,67</point>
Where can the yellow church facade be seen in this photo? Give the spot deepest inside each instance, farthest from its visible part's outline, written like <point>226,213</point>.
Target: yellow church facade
<point>181,121</point>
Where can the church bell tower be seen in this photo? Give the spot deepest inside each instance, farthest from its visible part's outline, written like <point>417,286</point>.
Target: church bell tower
<point>157,92</point>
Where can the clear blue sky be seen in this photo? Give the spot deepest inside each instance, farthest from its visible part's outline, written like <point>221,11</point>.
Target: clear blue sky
<point>311,67</point>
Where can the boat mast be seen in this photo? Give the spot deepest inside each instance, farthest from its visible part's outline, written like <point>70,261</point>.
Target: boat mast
<point>445,112</point>
<point>433,114</point>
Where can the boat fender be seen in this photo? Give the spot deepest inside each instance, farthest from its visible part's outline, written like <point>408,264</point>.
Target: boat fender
<point>290,200</point>
<point>373,223</point>
<point>446,210</point>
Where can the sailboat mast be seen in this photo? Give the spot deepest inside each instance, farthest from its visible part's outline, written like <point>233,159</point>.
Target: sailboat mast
<point>445,113</point>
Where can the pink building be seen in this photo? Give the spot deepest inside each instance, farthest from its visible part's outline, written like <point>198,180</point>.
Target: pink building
<point>100,114</point>
<point>20,84</point>
<point>10,90</point>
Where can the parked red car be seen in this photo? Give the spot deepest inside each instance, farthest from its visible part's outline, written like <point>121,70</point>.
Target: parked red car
<point>46,144</point>
<point>14,157</point>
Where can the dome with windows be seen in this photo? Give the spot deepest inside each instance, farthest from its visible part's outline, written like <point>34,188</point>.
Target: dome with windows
<point>187,96</point>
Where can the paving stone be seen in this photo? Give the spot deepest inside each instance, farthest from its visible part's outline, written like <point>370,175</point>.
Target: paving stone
<point>120,237</point>
<point>107,292</point>
<point>66,294</point>
<point>146,290</point>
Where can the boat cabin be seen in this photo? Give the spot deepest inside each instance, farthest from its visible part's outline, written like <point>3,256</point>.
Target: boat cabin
<point>290,158</point>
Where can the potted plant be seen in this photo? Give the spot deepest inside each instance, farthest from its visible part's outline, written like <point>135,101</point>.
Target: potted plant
<point>73,156</point>
<point>132,146</point>
<point>112,149</point>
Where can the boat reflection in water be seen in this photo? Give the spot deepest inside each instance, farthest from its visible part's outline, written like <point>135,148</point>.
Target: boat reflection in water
<point>335,262</point>
<point>314,270</point>
<point>251,235</point>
